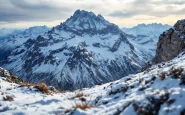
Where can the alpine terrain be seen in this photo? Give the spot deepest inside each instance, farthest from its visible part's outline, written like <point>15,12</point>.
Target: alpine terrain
<point>83,51</point>
<point>158,90</point>
<point>17,39</point>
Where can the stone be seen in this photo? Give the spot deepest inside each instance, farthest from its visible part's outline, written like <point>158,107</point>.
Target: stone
<point>170,43</point>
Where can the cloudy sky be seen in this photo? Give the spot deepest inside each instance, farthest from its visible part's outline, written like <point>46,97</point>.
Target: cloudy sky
<point>124,13</point>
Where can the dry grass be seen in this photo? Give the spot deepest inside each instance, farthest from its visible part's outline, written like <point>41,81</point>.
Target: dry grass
<point>40,86</point>
<point>8,98</point>
<point>82,106</point>
<point>79,95</point>
<point>124,89</point>
<point>175,72</point>
<point>28,85</point>
<point>162,75</point>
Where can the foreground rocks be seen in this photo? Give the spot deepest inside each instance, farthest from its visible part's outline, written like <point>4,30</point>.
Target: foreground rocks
<point>170,43</point>
<point>10,77</point>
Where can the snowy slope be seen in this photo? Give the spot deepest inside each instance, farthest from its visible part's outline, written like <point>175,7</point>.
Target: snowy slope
<point>8,44</point>
<point>160,90</point>
<point>83,51</point>
<point>145,36</point>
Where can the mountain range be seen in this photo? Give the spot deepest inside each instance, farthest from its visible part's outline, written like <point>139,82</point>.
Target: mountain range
<point>83,51</point>
<point>16,39</point>
<point>145,36</point>
<point>158,90</point>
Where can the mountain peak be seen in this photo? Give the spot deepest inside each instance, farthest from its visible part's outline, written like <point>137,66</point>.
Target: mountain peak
<point>85,16</point>
<point>87,22</point>
<point>83,13</point>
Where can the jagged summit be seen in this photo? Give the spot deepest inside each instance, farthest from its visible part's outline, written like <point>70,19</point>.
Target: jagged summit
<point>83,13</point>
<point>88,22</point>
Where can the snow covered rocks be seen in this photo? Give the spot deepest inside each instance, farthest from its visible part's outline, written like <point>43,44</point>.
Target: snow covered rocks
<point>8,76</point>
<point>144,93</point>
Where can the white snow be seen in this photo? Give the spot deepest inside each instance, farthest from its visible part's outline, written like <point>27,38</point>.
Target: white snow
<point>108,99</point>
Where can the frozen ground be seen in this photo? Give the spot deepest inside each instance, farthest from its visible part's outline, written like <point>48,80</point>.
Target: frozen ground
<point>159,90</point>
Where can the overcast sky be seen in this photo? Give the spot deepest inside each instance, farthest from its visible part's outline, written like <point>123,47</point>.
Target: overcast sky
<point>124,13</point>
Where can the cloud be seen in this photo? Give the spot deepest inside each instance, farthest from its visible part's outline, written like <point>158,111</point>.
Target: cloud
<point>159,8</point>
<point>23,10</point>
<point>43,11</point>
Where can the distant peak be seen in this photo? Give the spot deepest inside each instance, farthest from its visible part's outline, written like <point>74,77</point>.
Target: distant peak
<point>82,18</point>
<point>33,27</point>
<point>83,13</point>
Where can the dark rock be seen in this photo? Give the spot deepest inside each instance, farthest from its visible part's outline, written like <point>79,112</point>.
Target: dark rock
<point>171,43</point>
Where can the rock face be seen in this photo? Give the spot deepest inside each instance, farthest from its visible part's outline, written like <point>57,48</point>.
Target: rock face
<point>170,43</point>
<point>83,51</point>
<point>8,76</point>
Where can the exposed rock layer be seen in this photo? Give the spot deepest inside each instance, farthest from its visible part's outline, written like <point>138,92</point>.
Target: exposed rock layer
<point>170,43</point>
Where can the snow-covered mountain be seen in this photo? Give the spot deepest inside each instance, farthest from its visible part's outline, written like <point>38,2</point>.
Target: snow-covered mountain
<point>10,43</point>
<point>145,36</point>
<point>160,90</point>
<point>83,51</point>
<point>6,32</point>
<point>153,30</point>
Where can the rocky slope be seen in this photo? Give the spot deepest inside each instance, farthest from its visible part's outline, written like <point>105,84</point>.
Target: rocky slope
<point>160,90</point>
<point>10,43</point>
<point>83,51</point>
<point>171,43</point>
<point>145,37</point>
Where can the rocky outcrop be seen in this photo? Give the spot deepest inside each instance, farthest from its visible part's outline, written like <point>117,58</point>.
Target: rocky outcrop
<point>10,77</point>
<point>170,43</point>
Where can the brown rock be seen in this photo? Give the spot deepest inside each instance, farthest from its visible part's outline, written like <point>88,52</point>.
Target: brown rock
<point>171,43</point>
